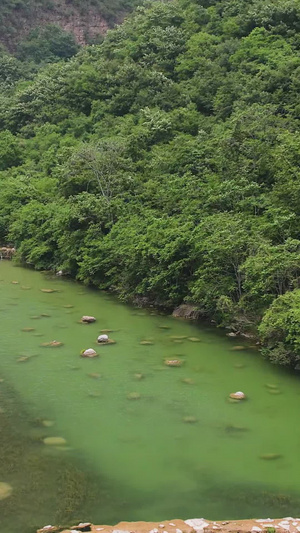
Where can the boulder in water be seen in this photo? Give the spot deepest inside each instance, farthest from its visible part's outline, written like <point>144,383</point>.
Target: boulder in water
<point>5,490</point>
<point>90,352</point>
<point>86,319</point>
<point>102,338</point>
<point>237,395</point>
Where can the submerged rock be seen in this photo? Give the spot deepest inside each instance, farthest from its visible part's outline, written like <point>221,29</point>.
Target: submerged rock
<point>194,339</point>
<point>23,359</point>
<point>48,423</point>
<point>15,282</point>
<point>54,441</point>
<point>90,352</point>
<point>190,419</point>
<point>5,490</point>
<point>139,376</point>
<point>52,344</point>
<point>270,456</point>
<point>231,428</point>
<point>173,362</point>
<point>187,311</point>
<point>146,343</point>
<point>86,319</point>
<point>28,329</point>
<point>237,348</point>
<point>68,306</point>
<point>94,375</point>
<point>48,291</point>
<point>188,381</point>
<point>133,396</point>
<point>106,330</point>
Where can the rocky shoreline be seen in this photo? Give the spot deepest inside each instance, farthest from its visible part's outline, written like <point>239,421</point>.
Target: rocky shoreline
<point>195,525</point>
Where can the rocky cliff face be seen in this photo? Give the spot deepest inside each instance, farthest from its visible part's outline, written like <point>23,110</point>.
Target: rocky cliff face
<point>85,21</point>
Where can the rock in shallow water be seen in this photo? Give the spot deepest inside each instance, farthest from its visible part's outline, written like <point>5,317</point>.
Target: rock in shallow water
<point>237,395</point>
<point>86,319</point>
<point>90,352</point>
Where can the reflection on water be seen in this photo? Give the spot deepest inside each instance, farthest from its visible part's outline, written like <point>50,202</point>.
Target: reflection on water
<point>124,436</point>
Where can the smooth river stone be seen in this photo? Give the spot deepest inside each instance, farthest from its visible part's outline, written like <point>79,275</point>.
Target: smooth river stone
<point>194,339</point>
<point>48,291</point>
<point>54,441</point>
<point>28,329</point>
<point>173,362</point>
<point>5,490</point>
<point>68,306</point>
<point>146,343</point>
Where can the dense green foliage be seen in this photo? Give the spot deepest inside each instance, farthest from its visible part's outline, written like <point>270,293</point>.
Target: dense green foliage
<point>164,163</point>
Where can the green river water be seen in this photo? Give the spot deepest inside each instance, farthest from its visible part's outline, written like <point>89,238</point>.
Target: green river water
<point>135,459</point>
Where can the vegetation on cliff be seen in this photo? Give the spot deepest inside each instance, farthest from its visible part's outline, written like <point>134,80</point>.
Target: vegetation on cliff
<point>164,163</point>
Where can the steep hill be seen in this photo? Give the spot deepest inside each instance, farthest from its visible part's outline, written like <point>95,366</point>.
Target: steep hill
<point>164,163</point>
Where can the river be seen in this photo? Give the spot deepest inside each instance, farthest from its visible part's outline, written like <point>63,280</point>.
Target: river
<point>144,441</point>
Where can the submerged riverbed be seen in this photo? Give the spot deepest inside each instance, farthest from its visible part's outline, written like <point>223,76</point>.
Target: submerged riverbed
<point>175,448</point>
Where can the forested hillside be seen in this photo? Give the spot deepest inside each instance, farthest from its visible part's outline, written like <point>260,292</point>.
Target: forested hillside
<point>164,163</point>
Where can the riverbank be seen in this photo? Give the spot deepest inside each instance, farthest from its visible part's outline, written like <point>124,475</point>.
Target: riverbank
<point>263,525</point>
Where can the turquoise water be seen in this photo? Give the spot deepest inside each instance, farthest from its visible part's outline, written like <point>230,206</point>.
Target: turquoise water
<point>181,449</point>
